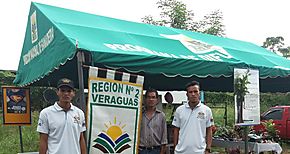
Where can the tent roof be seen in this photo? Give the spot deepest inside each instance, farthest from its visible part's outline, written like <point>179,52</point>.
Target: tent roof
<point>54,35</point>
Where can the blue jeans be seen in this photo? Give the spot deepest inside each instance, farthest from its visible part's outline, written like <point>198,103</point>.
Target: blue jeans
<point>151,151</point>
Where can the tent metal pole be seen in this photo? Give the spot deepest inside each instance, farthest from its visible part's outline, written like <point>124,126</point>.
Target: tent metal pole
<point>246,132</point>
<point>80,60</point>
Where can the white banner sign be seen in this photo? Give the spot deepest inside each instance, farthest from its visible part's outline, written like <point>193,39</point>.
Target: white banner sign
<point>247,107</point>
<point>114,112</point>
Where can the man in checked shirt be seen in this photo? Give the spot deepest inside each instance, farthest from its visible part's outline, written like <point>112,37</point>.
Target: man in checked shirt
<point>153,137</point>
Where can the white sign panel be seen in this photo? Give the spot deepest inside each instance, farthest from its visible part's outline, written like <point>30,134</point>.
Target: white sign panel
<point>114,115</point>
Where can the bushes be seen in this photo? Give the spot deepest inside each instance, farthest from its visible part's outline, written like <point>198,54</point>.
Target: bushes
<point>219,101</point>
<point>266,99</point>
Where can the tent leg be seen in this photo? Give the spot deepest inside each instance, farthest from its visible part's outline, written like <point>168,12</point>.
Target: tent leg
<point>80,58</point>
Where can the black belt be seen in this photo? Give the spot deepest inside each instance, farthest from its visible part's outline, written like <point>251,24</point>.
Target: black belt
<point>149,148</point>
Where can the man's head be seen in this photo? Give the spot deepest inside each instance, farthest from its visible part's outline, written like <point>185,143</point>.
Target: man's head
<point>151,97</point>
<point>192,91</point>
<point>65,90</point>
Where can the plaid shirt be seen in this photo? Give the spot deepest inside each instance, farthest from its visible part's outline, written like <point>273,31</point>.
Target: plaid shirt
<point>154,130</point>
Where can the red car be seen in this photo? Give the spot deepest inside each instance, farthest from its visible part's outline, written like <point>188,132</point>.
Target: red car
<point>281,118</point>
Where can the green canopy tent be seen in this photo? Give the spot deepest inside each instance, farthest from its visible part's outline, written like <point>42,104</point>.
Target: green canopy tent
<point>167,57</point>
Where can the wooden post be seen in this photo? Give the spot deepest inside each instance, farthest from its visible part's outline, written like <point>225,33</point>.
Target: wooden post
<point>21,143</point>
<point>226,114</point>
<point>246,131</point>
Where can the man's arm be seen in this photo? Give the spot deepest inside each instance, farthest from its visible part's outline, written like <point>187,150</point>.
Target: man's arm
<point>208,138</point>
<point>43,143</point>
<point>175,136</point>
<point>83,144</point>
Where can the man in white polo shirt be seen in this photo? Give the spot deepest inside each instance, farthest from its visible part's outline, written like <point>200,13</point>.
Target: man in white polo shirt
<point>192,123</point>
<point>61,125</point>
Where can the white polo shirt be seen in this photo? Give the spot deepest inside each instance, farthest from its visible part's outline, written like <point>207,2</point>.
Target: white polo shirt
<point>63,128</point>
<point>192,125</point>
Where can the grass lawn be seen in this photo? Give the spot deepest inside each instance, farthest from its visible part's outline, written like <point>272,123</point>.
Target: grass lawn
<point>10,138</point>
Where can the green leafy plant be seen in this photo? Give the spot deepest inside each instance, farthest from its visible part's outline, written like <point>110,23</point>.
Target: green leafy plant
<point>230,133</point>
<point>271,132</point>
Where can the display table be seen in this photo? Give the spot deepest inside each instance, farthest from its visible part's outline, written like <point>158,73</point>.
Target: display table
<point>252,146</point>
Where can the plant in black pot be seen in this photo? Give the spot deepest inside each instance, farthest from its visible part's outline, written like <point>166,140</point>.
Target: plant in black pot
<point>241,89</point>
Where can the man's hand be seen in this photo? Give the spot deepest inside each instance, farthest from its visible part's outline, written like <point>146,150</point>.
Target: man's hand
<point>207,151</point>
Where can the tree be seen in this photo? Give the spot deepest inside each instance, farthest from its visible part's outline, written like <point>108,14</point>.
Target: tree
<point>6,78</point>
<point>211,24</point>
<point>175,14</point>
<point>149,20</point>
<point>285,52</point>
<point>273,43</point>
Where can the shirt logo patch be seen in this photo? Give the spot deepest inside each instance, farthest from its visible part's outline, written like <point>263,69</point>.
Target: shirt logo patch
<point>77,119</point>
<point>200,115</point>
<point>40,122</point>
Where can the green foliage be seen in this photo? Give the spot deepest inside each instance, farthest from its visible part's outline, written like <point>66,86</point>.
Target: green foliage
<point>285,52</point>
<point>272,99</point>
<point>150,20</point>
<point>36,97</point>
<point>240,84</point>
<point>273,43</point>
<point>223,117</point>
<point>218,98</point>
<point>271,132</point>
<point>6,78</point>
<point>211,24</point>
<point>5,74</point>
<point>230,132</point>
<point>175,14</point>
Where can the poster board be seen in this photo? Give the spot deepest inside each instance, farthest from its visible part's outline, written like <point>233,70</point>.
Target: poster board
<point>16,105</point>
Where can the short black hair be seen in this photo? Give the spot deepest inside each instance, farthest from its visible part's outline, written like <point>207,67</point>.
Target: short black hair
<point>192,83</point>
<point>151,90</point>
